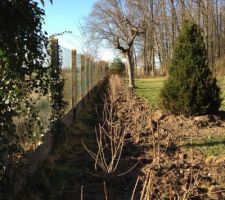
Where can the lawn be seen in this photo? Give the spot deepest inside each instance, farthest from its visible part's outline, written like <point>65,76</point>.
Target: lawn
<point>210,146</point>
<point>149,89</point>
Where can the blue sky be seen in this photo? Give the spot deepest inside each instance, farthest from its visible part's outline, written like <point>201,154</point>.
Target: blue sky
<point>65,15</point>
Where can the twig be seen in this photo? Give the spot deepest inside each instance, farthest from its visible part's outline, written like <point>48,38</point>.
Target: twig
<point>105,191</point>
<point>82,192</point>
<point>135,187</point>
<point>129,170</point>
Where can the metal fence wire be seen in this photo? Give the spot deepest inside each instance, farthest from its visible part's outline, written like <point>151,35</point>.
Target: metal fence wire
<point>81,74</point>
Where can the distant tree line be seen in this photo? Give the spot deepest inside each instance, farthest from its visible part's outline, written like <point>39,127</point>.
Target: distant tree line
<point>148,29</point>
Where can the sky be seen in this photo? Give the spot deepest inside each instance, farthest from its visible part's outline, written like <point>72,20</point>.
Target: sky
<point>65,15</point>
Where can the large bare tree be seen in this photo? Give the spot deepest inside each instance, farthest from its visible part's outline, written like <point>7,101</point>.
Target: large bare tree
<point>117,22</point>
<point>157,22</point>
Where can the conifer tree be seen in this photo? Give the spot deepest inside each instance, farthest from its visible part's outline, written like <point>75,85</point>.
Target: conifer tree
<point>191,88</point>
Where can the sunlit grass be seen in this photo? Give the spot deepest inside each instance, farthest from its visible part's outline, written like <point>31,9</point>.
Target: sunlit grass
<point>211,146</point>
<point>149,89</point>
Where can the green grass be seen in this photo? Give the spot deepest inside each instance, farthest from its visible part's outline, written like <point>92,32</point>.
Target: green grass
<point>214,146</point>
<point>149,89</point>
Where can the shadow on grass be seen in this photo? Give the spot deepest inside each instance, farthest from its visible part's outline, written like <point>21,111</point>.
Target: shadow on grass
<point>157,89</point>
<point>221,114</point>
<point>210,143</point>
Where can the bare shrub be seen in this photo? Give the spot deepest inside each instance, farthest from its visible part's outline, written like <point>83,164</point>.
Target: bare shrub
<point>169,171</point>
<point>111,138</point>
<point>122,122</point>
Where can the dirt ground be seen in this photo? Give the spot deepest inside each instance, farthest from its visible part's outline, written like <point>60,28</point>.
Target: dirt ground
<point>196,166</point>
<point>162,156</point>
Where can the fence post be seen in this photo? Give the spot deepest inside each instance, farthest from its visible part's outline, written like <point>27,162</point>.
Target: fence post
<point>74,79</point>
<point>99,72</point>
<point>96,73</point>
<point>89,76</point>
<point>86,76</point>
<point>78,78</point>
<point>106,66</point>
<point>82,77</point>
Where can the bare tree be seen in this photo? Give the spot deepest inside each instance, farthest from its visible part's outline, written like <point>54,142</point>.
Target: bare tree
<point>90,48</point>
<point>116,22</point>
<point>155,25</point>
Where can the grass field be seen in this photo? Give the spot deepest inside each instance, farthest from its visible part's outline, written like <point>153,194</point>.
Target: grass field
<point>210,146</point>
<point>149,89</point>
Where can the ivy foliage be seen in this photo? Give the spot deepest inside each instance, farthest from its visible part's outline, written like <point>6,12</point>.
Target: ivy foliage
<point>22,72</point>
<point>56,91</point>
<point>191,88</point>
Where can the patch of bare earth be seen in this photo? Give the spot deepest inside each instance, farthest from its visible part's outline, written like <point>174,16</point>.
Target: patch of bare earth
<point>171,167</point>
<point>179,170</point>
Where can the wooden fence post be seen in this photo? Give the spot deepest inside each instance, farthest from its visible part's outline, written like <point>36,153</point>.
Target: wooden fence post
<point>91,74</point>
<point>87,77</point>
<point>94,74</point>
<point>74,79</point>
<point>82,78</point>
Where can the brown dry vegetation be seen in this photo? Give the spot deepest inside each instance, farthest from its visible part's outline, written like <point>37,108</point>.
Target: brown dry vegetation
<point>172,167</point>
<point>137,154</point>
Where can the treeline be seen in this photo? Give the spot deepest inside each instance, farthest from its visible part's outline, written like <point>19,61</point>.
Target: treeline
<point>145,31</point>
<point>165,24</point>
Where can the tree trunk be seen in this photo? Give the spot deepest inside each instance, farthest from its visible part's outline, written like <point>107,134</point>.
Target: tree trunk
<point>130,70</point>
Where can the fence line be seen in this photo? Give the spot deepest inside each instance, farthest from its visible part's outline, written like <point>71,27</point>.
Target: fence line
<point>81,74</point>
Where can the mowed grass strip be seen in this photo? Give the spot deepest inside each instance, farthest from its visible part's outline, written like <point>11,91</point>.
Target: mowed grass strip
<point>210,146</point>
<point>149,89</point>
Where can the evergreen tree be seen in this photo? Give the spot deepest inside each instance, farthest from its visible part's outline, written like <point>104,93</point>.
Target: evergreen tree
<point>117,66</point>
<point>191,88</point>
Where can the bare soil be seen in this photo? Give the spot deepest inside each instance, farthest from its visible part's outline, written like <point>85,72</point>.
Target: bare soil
<point>165,156</point>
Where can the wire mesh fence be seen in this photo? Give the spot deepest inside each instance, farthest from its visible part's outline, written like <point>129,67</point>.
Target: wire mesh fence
<point>81,74</point>
<point>37,112</point>
<point>65,56</point>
